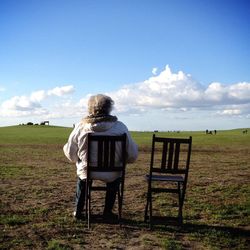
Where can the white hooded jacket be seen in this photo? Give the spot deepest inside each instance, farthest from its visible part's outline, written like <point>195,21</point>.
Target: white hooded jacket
<point>76,147</point>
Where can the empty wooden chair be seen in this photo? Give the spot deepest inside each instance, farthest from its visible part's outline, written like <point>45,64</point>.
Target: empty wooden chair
<point>169,166</point>
<point>103,157</point>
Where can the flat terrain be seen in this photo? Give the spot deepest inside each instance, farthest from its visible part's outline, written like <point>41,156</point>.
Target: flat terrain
<point>38,184</point>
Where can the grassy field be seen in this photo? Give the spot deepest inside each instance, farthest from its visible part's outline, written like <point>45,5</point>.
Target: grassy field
<point>38,184</point>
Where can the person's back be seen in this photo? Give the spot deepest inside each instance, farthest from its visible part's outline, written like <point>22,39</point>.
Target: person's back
<point>99,121</point>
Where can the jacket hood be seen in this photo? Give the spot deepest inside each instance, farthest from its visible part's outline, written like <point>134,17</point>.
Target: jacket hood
<point>101,126</point>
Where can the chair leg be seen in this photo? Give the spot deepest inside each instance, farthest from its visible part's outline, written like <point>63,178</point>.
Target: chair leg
<point>86,199</point>
<point>146,208</point>
<point>181,199</point>
<point>146,217</point>
<point>180,218</point>
<point>150,210</point>
<point>119,204</point>
<point>119,207</point>
<point>89,211</point>
<point>89,203</point>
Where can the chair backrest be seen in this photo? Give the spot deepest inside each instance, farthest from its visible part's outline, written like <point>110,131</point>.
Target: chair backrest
<point>106,153</point>
<point>170,155</point>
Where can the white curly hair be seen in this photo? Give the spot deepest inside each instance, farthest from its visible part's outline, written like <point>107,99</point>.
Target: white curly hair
<point>100,105</point>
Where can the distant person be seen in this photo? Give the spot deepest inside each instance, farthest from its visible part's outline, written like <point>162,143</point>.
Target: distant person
<point>101,122</point>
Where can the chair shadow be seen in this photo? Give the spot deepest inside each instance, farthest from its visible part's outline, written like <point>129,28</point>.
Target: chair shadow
<point>99,219</point>
<point>236,231</point>
<point>170,224</point>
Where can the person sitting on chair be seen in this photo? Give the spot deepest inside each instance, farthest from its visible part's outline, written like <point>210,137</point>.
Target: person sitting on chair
<point>98,121</point>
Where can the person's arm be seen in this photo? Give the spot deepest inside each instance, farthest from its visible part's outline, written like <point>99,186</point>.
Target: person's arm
<point>132,149</point>
<point>70,149</point>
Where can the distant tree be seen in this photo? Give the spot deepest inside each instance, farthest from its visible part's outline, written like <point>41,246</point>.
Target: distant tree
<point>30,123</point>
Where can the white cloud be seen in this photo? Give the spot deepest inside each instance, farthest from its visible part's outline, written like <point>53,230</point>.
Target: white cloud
<point>22,106</point>
<point>215,92</point>
<point>167,93</point>
<point>230,112</point>
<point>228,94</point>
<point>167,90</point>
<point>154,71</point>
<point>60,91</point>
<point>38,96</point>
<point>181,92</point>
<point>31,105</point>
<point>240,91</point>
<point>20,103</point>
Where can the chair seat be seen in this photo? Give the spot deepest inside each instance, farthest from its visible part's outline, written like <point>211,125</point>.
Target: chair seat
<point>174,178</point>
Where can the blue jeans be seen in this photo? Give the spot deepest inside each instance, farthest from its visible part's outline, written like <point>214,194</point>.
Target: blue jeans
<point>80,196</point>
<point>110,197</point>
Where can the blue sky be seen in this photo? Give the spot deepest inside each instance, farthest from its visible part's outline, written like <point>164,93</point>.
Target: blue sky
<point>168,64</point>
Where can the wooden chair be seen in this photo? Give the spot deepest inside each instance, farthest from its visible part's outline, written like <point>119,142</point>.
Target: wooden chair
<point>103,157</point>
<point>169,166</point>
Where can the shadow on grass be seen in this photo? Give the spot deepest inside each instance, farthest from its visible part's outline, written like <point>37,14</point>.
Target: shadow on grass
<point>171,224</point>
<point>210,235</point>
<point>189,228</point>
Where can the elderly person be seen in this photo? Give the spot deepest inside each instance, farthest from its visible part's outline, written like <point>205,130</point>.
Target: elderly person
<point>99,121</point>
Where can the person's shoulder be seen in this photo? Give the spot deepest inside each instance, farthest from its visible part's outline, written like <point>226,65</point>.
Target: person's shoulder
<point>120,125</point>
<point>80,127</point>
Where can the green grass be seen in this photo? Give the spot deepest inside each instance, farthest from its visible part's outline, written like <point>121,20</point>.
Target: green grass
<point>13,220</point>
<point>56,245</point>
<point>223,137</point>
<point>219,239</point>
<point>38,184</point>
<point>24,134</point>
<point>171,244</point>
